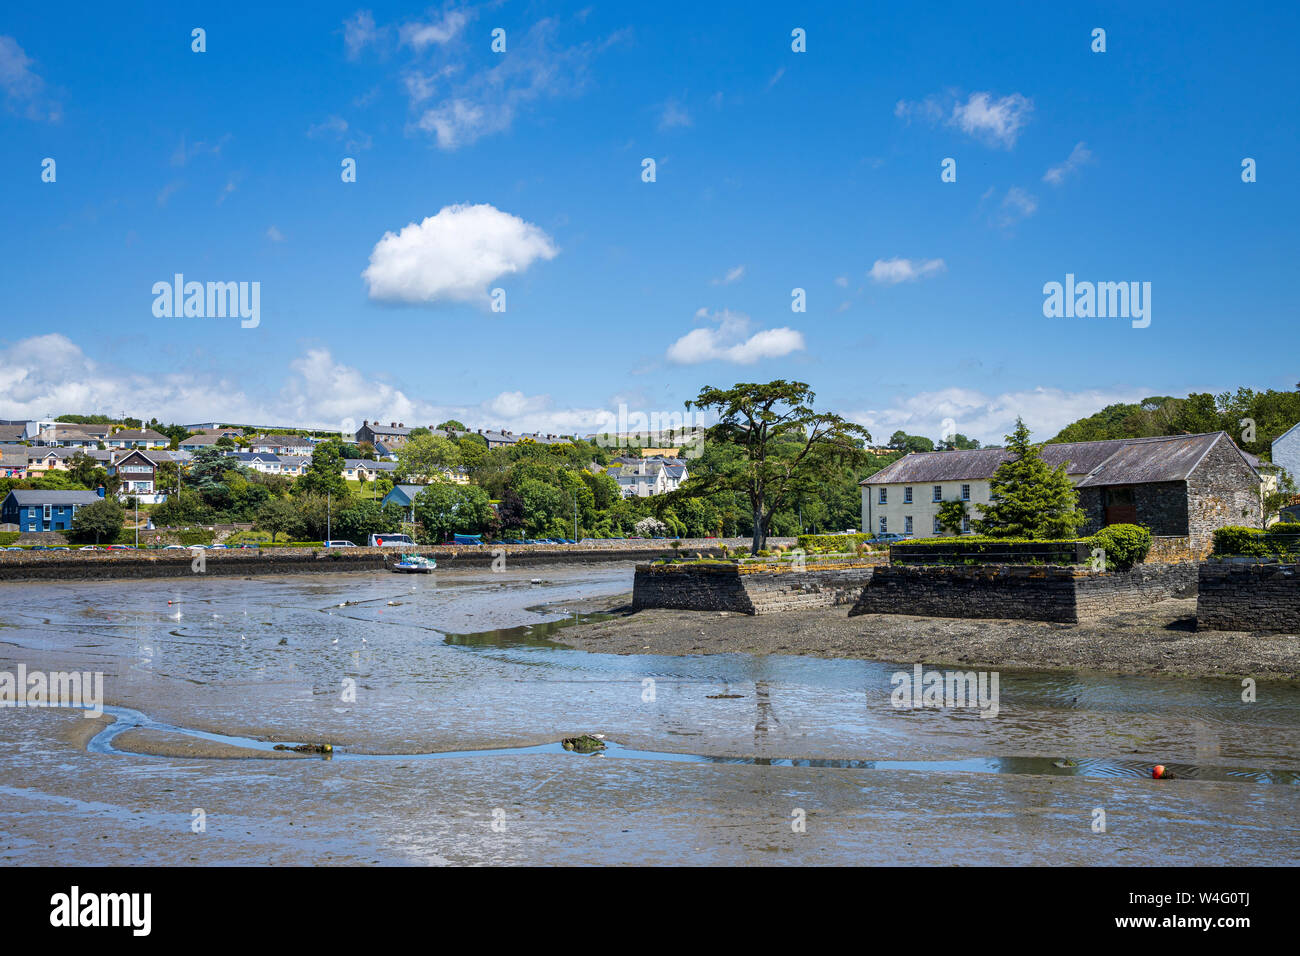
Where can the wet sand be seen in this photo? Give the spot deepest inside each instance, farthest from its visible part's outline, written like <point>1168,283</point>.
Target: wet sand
<point>1160,640</point>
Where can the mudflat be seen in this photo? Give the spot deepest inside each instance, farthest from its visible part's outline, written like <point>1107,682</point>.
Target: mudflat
<point>1159,639</point>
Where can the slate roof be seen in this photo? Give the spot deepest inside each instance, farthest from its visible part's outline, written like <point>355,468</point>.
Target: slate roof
<point>13,432</point>
<point>1126,461</point>
<point>26,497</point>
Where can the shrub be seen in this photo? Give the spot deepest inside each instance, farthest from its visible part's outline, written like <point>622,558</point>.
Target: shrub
<point>832,542</point>
<point>189,536</point>
<point>1236,539</point>
<point>1123,544</point>
<point>9,537</point>
<point>248,537</point>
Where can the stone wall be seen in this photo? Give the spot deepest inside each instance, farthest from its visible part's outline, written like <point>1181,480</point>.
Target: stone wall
<point>1021,592</point>
<point>1223,491</point>
<point>750,590</point>
<point>1237,596</point>
<point>1174,549</point>
<point>100,565</point>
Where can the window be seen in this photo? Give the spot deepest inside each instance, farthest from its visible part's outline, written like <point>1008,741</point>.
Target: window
<point>907,496</point>
<point>965,522</point>
<point>907,525</point>
<point>937,528</point>
<point>47,513</point>
<point>883,497</point>
<point>965,492</point>
<point>938,492</point>
<point>884,525</point>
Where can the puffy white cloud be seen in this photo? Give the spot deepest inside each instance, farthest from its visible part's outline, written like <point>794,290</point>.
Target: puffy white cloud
<point>1079,156</point>
<point>454,255</point>
<point>50,375</point>
<point>733,275</point>
<point>730,341</point>
<point>418,35</point>
<point>359,32</point>
<point>990,418</point>
<point>896,270</point>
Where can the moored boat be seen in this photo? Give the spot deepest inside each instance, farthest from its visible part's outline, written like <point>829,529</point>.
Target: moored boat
<point>415,564</point>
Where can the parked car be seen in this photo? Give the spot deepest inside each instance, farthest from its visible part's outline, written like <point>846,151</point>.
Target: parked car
<point>337,544</point>
<point>889,537</point>
<point>90,547</point>
<point>175,547</point>
<point>391,541</point>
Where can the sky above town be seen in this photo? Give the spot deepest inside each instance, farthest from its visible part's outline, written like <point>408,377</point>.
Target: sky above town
<point>774,170</point>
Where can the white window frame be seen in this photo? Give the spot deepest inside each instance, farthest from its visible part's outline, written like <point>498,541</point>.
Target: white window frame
<point>965,492</point>
<point>938,493</point>
<point>907,524</point>
<point>884,525</point>
<point>883,497</point>
<point>938,529</point>
<point>907,495</point>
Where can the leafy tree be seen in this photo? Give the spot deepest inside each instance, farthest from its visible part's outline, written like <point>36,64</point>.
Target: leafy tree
<point>281,516</point>
<point>787,445</point>
<point>83,470</point>
<point>100,519</point>
<point>951,516</point>
<point>905,442</point>
<point>1030,499</point>
<point>426,457</point>
<point>957,442</point>
<point>453,425</point>
<point>445,507</point>
<point>225,441</point>
<point>362,518</point>
<point>325,474</point>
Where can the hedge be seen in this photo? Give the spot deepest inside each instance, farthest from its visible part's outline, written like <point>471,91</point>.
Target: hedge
<point>9,537</point>
<point>1281,539</point>
<point>832,542</point>
<point>940,550</point>
<point>1123,545</point>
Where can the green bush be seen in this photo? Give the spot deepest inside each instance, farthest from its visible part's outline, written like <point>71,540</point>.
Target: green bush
<point>248,537</point>
<point>189,536</point>
<point>1123,544</point>
<point>8,537</point>
<point>813,543</point>
<point>1236,539</point>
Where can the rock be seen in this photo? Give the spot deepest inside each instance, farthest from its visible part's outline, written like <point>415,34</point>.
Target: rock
<point>308,748</point>
<point>585,744</point>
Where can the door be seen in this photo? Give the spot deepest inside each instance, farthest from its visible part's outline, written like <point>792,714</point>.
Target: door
<point>1121,506</point>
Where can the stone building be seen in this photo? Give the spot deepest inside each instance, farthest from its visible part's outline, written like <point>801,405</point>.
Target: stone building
<point>1178,486</point>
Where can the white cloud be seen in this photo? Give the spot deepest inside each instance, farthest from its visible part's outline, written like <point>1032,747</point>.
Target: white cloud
<point>453,256</point>
<point>1017,204</point>
<point>733,275</point>
<point>359,32</point>
<point>274,234</point>
<point>50,375</point>
<point>332,127</point>
<point>418,36</point>
<point>995,122</point>
<point>487,101</point>
<point>842,281</point>
<point>731,341</point>
<point>24,89</point>
<point>776,77</point>
<point>673,116</point>
<point>989,418</point>
<point>896,270</point>
<point>1079,156</point>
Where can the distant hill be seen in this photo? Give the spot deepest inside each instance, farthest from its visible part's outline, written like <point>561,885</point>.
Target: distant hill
<point>1272,413</point>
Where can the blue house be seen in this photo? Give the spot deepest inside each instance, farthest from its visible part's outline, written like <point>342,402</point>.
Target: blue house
<point>35,510</point>
<point>404,497</point>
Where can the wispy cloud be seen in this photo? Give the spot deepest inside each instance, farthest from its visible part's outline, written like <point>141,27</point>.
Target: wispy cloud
<point>994,121</point>
<point>896,270</point>
<point>1016,205</point>
<point>673,115</point>
<point>274,234</point>
<point>732,275</point>
<point>25,91</point>
<point>1079,156</point>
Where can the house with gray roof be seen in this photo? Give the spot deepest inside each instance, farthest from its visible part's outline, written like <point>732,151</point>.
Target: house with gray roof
<point>36,510</point>
<point>1176,485</point>
<point>1286,452</point>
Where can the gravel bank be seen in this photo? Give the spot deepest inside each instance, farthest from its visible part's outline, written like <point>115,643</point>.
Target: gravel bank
<point>1160,639</point>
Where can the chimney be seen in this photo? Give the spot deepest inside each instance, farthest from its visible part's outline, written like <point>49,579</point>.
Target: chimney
<point>100,491</point>
<point>401,424</point>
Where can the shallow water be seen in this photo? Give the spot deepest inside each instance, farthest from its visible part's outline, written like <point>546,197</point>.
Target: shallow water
<point>462,665</point>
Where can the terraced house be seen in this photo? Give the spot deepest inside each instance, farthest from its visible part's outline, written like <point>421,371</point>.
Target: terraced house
<point>1178,486</point>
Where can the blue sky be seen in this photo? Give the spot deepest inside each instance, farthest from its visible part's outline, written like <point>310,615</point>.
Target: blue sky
<point>522,170</point>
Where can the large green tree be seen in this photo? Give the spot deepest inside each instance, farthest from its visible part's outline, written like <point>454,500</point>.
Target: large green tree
<point>101,520</point>
<point>444,508</point>
<point>426,457</point>
<point>1030,499</point>
<point>787,445</point>
<point>325,474</point>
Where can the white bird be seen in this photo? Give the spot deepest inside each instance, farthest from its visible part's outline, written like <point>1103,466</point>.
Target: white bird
<point>336,640</point>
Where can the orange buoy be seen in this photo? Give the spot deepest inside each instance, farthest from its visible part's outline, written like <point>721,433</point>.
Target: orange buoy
<point>1158,771</point>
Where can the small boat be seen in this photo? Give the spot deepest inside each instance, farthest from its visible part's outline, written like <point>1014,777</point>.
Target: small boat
<point>415,564</point>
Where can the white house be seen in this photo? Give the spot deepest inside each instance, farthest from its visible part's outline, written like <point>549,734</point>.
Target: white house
<point>1286,452</point>
<point>646,477</point>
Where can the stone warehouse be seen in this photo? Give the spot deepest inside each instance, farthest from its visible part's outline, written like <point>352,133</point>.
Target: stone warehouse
<point>1179,486</point>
